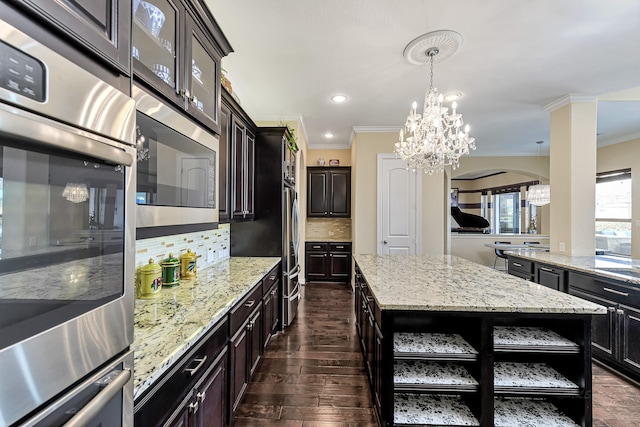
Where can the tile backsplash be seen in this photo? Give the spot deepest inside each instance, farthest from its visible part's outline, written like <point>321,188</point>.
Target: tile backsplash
<point>321,229</point>
<point>199,242</point>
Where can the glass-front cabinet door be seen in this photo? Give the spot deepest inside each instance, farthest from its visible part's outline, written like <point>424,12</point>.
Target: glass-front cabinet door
<point>155,45</point>
<point>203,76</point>
<point>176,57</point>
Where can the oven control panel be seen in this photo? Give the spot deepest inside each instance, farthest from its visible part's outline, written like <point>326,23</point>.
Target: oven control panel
<point>21,73</point>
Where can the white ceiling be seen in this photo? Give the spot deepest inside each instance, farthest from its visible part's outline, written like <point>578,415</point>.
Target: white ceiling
<point>517,56</point>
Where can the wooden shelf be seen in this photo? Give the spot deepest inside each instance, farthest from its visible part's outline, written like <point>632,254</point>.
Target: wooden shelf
<point>432,410</point>
<point>531,378</point>
<point>520,412</point>
<point>531,340</point>
<point>423,376</point>
<point>432,346</point>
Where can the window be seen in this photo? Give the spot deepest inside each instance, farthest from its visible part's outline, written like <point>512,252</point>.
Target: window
<point>613,212</point>
<point>506,212</point>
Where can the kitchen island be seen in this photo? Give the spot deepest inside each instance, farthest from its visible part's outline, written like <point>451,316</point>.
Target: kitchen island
<point>450,342</point>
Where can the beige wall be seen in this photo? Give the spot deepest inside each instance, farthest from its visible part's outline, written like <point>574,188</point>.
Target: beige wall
<point>435,190</point>
<point>622,156</point>
<point>344,156</point>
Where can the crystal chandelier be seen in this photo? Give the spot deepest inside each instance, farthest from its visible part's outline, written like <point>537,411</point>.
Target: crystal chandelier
<point>436,138</point>
<point>75,192</point>
<point>539,194</point>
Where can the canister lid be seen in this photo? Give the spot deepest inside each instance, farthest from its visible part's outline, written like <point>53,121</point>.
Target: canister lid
<point>150,268</point>
<point>170,261</point>
<point>188,254</point>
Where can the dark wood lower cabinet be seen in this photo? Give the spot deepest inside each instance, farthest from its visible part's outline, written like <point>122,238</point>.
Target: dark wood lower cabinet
<point>614,337</point>
<point>239,370</point>
<point>180,395</point>
<point>246,347</point>
<point>328,261</point>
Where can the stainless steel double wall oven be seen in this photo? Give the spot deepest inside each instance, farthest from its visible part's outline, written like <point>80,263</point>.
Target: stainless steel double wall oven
<point>67,236</point>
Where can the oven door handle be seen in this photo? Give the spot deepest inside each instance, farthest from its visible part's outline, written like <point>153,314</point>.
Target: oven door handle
<point>88,413</point>
<point>44,131</point>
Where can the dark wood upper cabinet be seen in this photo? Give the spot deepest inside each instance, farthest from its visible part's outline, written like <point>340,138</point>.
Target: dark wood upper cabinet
<point>177,48</point>
<point>329,192</point>
<point>237,162</point>
<point>99,27</point>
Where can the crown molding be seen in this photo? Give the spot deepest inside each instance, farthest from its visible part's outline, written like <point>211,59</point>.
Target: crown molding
<point>571,98</point>
<point>618,140</point>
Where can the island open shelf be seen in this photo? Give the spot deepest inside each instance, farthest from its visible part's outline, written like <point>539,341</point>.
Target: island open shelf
<point>450,342</point>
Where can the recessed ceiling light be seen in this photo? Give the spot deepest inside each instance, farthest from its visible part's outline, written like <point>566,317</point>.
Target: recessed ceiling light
<point>338,98</point>
<point>453,96</point>
<point>328,135</point>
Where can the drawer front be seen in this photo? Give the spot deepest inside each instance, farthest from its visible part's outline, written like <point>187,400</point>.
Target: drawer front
<point>340,247</point>
<point>609,289</point>
<point>241,311</point>
<point>316,247</point>
<point>521,265</point>
<point>270,279</point>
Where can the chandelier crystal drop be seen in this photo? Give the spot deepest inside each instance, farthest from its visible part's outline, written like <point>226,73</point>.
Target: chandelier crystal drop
<point>436,138</point>
<point>539,194</point>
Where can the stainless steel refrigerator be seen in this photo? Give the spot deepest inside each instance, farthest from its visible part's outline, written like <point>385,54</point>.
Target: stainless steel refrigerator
<point>275,230</point>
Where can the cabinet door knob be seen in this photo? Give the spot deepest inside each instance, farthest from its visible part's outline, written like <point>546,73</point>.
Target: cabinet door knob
<point>193,407</point>
<point>201,396</point>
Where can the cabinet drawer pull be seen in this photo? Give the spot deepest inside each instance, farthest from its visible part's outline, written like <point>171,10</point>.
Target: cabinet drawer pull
<point>273,292</point>
<point>546,269</point>
<point>369,298</point>
<point>620,312</point>
<point>611,309</point>
<point>272,277</point>
<point>316,247</point>
<point>613,291</point>
<point>201,396</point>
<point>192,371</point>
<point>517,264</point>
<point>339,247</point>
<point>193,407</point>
<point>249,304</point>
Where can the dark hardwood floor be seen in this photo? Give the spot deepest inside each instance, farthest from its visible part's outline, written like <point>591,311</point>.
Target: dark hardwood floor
<point>312,375</point>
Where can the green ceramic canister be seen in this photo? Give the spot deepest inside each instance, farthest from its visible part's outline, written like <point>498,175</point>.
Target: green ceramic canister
<point>149,281</point>
<point>170,271</point>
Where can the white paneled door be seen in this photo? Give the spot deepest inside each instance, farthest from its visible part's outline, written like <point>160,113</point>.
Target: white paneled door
<point>399,204</point>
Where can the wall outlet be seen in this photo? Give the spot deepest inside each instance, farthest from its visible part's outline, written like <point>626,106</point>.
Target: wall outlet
<point>331,233</point>
<point>561,246</point>
<point>223,253</point>
<point>33,241</point>
<point>210,255</point>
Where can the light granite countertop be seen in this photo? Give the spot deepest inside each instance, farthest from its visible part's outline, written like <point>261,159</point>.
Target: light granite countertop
<point>586,264</point>
<point>166,327</point>
<point>450,283</point>
<point>328,240</point>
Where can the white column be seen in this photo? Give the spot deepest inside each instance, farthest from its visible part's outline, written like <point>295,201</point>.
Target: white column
<point>572,172</point>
